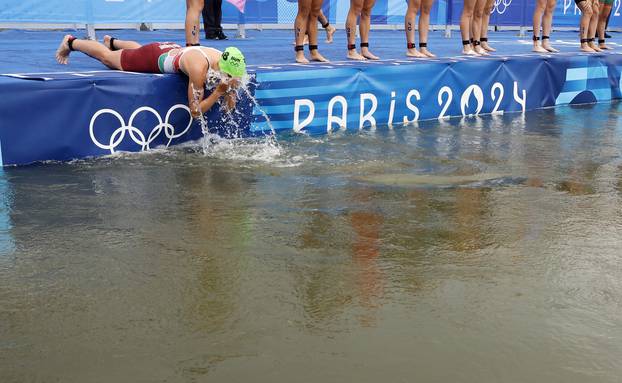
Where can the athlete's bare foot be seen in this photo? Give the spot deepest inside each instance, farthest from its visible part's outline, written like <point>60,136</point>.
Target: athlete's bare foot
<point>586,48</point>
<point>354,55</point>
<point>549,48</point>
<point>316,56</point>
<point>300,58</point>
<point>488,47</point>
<point>469,51</point>
<point>107,41</point>
<point>594,47</point>
<point>368,55</point>
<point>62,53</point>
<point>538,49</point>
<point>330,31</point>
<point>604,46</point>
<point>427,53</point>
<point>481,51</point>
<point>413,52</point>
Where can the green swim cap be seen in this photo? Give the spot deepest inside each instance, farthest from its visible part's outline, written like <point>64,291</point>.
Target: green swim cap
<point>232,62</point>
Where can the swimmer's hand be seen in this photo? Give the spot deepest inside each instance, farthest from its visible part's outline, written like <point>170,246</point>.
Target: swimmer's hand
<point>221,89</point>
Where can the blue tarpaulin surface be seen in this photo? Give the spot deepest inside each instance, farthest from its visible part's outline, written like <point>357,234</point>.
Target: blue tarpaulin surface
<point>55,112</point>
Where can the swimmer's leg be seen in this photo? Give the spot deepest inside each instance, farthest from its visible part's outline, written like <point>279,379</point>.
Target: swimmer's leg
<point>112,59</point>
<point>476,26</point>
<point>364,27</point>
<point>547,26</point>
<point>465,27</point>
<point>301,24</point>
<point>485,22</point>
<point>355,10</point>
<point>424,26</point>
<point>594,25</point>
<point>115,44</point>
<point>586,14</point>
<point>193,14</point>
<point>316,7</point>
<point>409,27</point>
<point>330,30</point>
<point>602,22</point>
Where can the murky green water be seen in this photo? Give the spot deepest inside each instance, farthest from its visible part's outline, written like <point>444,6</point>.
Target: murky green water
<point>484,250</point>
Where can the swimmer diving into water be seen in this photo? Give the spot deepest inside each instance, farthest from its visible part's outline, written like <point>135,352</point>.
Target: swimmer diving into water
<point>165,57</point>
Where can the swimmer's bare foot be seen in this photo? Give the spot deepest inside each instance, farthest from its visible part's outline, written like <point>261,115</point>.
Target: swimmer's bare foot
<point>538,49</point>
<point>469,51</point>
<point>107,41</point>
<point>413,52</point>
<point>300,58</point>
<point>63,51</point>
<point>316,56</point>
<point>368,55</point>
<point>604,46</point>
<point>330,31</point>
<point>550,48</point>
<point>586,48</point>
<point>354,55</point>
<point>427,53</point>
<point>488,47</point>
<point>594,47</point>
<point>481,51</point>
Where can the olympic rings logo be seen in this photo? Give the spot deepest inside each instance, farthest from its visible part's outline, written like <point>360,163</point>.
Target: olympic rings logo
<point>136,134</point>
<point>501,6</point>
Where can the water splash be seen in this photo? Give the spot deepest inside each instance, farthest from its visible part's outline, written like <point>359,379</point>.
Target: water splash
<point>263,149</point>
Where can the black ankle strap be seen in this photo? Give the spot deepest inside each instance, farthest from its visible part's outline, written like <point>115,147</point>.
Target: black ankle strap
<point>423,45</point>
<point>585,41</point>
<point>193,45</point>
<point>601,41</point>
<point>536,38</point>
<point>545,37</point>
<point>299,48</point>
<point>466,42</point>
<point>476,43</point>
<point>364,45</point>
<point>112,48</point>
<point>411,45</point>
<point>483,39</point>
<point>351,47</point>
<point>313,47</point>
<point>70,41</point>
<point>325,25</point>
